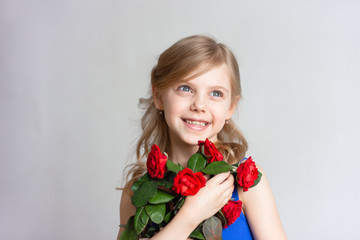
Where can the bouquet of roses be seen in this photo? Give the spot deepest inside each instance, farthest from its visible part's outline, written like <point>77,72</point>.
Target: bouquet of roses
<point>160,193</point>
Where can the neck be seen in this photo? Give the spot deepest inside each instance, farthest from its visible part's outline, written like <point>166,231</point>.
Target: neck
<point>182,156</point>
<point>180,153</point>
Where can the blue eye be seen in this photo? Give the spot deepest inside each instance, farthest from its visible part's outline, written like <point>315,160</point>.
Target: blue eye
<point>184,88</point>
<point>216,94</point>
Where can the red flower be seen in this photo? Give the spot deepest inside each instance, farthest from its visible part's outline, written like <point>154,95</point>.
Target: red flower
<point>210,151</point>
<point>231,211</point>
<point>156,163</point>
<point>186,182</point>
<point>247,173</point>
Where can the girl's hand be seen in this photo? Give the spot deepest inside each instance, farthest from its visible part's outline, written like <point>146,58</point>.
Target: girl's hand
<point>210,199</point>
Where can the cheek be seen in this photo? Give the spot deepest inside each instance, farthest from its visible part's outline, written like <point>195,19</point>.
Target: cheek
<point>221,111</point>
<point>174,106</point>
<point>173,111</point>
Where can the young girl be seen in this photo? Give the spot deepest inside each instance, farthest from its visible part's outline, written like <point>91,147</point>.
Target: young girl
<point>195,90</point>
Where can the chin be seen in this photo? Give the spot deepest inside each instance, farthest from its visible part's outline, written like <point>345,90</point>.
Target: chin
<point>192,141</point>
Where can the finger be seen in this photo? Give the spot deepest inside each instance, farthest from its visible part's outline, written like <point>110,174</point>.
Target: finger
<point>227,185</point>
<point>227,199</point>
<point>229,181</point>
<point>224,199</point>
<point>231,177</point>
<point>228,193</point>
<point>227,196</point>
<point>219,178</point>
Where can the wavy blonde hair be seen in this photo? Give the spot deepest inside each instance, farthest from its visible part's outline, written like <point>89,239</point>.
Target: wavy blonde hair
<point>193,55</point>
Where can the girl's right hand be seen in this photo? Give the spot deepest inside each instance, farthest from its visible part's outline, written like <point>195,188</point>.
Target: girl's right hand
<point>210,199</point>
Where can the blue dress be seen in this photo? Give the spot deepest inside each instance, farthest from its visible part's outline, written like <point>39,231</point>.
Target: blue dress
<point>240,229</point>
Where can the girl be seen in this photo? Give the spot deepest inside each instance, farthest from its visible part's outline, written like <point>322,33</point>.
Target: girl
<point>195,90</point>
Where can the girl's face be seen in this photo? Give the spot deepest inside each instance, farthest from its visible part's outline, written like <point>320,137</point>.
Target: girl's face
<point>197,109</point>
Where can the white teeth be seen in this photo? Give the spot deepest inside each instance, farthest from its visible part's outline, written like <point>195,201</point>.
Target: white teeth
<point>202,124</point>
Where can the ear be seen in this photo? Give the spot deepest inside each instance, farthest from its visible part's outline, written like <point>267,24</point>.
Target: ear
<point>232,108</point>
<point>157,99</point>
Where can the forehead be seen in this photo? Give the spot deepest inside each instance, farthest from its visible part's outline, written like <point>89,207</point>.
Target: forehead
<point>219,75</point>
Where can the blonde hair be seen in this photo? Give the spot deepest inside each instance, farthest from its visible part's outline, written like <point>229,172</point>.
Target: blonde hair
<point>191,55</point>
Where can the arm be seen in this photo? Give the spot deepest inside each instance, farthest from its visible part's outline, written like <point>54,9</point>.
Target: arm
<point>127,210</point>
<point>261,212</point>
<point>209,200</point>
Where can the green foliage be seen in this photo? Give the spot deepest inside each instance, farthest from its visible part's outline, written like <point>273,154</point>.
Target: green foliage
<point>129,233</point>
<point>167,183</point>
<point>156,212</point>
<point>161,197</point>
<point>140,182</point>
<point>197,162</point>
<point>179,204</point>
<point>257,180</point>
<point>196,234</point>
<point>141,219</point>
<point>167,217</point>
<point>212,228</point>
<point>222,218</point>
<point>144,194</point>
<point>173,167</point>
<point>217,167</point>
<point>150,232</point>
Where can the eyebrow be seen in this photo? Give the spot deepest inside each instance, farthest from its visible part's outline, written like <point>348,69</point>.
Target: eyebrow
<point>220,87</point>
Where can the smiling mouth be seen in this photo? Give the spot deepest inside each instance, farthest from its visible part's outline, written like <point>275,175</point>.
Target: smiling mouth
<point>196,123</point>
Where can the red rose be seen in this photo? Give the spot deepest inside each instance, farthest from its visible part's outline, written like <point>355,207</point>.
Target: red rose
<point>247,173</point>
<point>231,211</point>
<point>210,151</point>
<point>186,182</point>
<point>156,163</point>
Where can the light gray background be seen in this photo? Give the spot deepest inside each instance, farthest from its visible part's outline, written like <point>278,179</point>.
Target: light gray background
<point>71,73</point>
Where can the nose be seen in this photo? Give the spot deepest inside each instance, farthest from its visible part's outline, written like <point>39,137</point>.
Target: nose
<point>198,104</point>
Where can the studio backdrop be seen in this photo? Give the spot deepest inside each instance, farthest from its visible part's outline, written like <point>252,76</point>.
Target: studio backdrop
<point>71,74</point>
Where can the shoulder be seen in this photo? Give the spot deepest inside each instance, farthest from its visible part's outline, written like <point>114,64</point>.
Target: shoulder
<point>260,209</point>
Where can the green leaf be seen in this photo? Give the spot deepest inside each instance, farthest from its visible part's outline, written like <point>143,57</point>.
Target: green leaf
<point>151,232</point>
<point>179,204</point>
<point>164,183</point>
<point>217,167</point>
<point>212,228</point>
<point>144,193</point>
<point>141,219</point>
<point>202,150</point>
<point>221,216</point>
<point>156,212</point>
<point>173,167</point>
<point>139,182</point>
<point>257,180</point>
<point>167,217</point>
<point>161,197</point>
<point>129,233</point>
<point>197,162</point>
<point>197,234</point>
